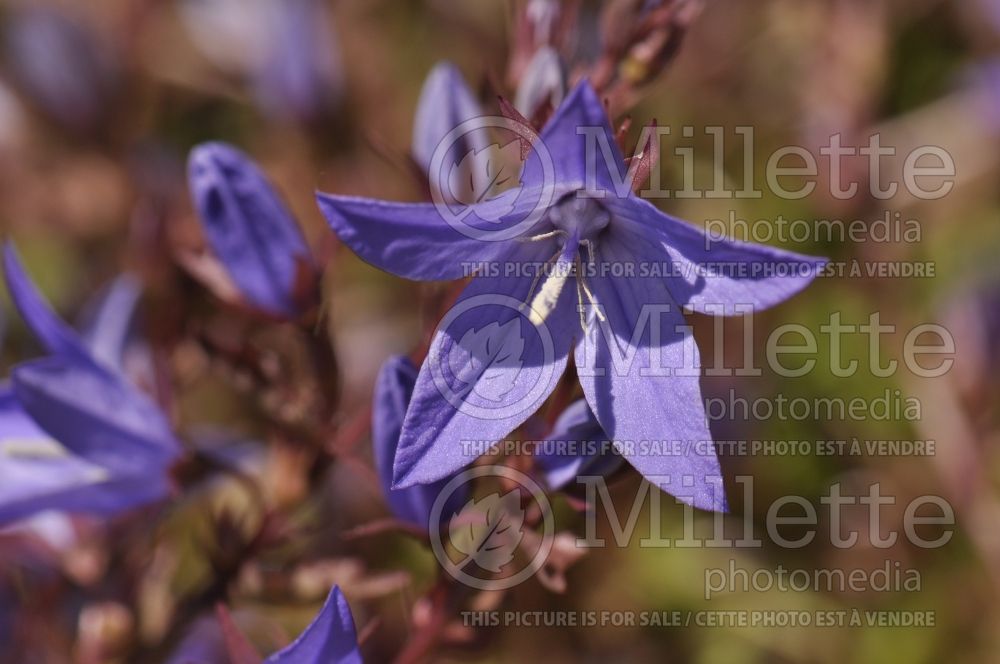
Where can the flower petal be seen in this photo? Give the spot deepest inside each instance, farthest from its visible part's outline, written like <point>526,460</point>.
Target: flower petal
<point>579,120</point>
<point>712,271</point>
<point>95,414</point>
<point>55,335</point>
<point>577,431</point>
<point>636,373</point>
<point>248,226</point>
<point>393,390</point>
<point>106,327</point>
<point>445,102</point>
<point>37,474</point>
<point>489,367</point>
<point>413,240</point>
<point>329,639</point>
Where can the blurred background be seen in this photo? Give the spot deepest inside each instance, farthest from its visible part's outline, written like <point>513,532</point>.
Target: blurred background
<point>99,105</point>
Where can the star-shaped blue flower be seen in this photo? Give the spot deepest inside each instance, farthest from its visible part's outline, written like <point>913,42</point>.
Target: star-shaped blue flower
<point>75,435</point>
<point>503,348</point>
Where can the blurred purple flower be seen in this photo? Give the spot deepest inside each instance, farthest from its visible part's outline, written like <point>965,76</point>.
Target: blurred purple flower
<point>106,323</point>
<point>445,102</point>
<point>577,445</point>
<point>202,644</point>
<point>591,220</point>
<point>287,49</point>
<point>393,389</point>
<point>38,474</point>
<point>301,76</point>
<point>329,639</point>
<point>114,445</point>
<point>61,66</point>
<point>250,228</point>
<point>982,79</point>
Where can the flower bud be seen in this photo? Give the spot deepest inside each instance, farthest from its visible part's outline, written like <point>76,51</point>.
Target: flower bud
<point>250,229</point>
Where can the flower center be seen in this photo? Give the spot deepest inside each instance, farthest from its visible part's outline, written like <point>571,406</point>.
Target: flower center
<point>577,222</point>
<point>580,216</point>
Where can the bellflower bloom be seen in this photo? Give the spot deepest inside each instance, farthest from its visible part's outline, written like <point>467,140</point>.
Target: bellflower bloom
<point>300,77</point>
<point>505,344</point>
<point>329,639</point>
<point>393,389</point>
<point>114,445</point>
<point>38,474</point>
<point>576,446</point>
<point>250,229</point>
<point>61,66</point>
<point>286,49</point>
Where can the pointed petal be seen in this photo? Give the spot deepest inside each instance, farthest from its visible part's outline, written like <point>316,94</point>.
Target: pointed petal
<point>413,240</point>
<point>719,272</point>
<point>329,639</point>
<point>580,120</point>
<point>575,446</point>
<point>105,330</point>
<point>38,474</point>
<point>445,102</point>
<point>55,335</point>
<point>641,387</point>
<point>489,367</point>
<point>96,415</point>
<point>248,226</point>
<point>393,390</point>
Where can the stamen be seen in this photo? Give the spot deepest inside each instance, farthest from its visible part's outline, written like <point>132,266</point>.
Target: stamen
<point>538,275</point>
<point>548,296</point>
<point>593,300</point>
<point>544,236</point>
<point>579,295</point>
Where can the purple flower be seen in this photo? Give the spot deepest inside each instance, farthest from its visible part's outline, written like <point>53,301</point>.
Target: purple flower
<point>393,389</point>
<point>503,348</point>
<point>61,66</point>
<point>37,474</point>
<point>114,445</point>
<point>329,639</point>
<point>445,102</point>
<point>577,445</point>
<point>106,326</point>
<point>250,229</point>
<point>300,78</point>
